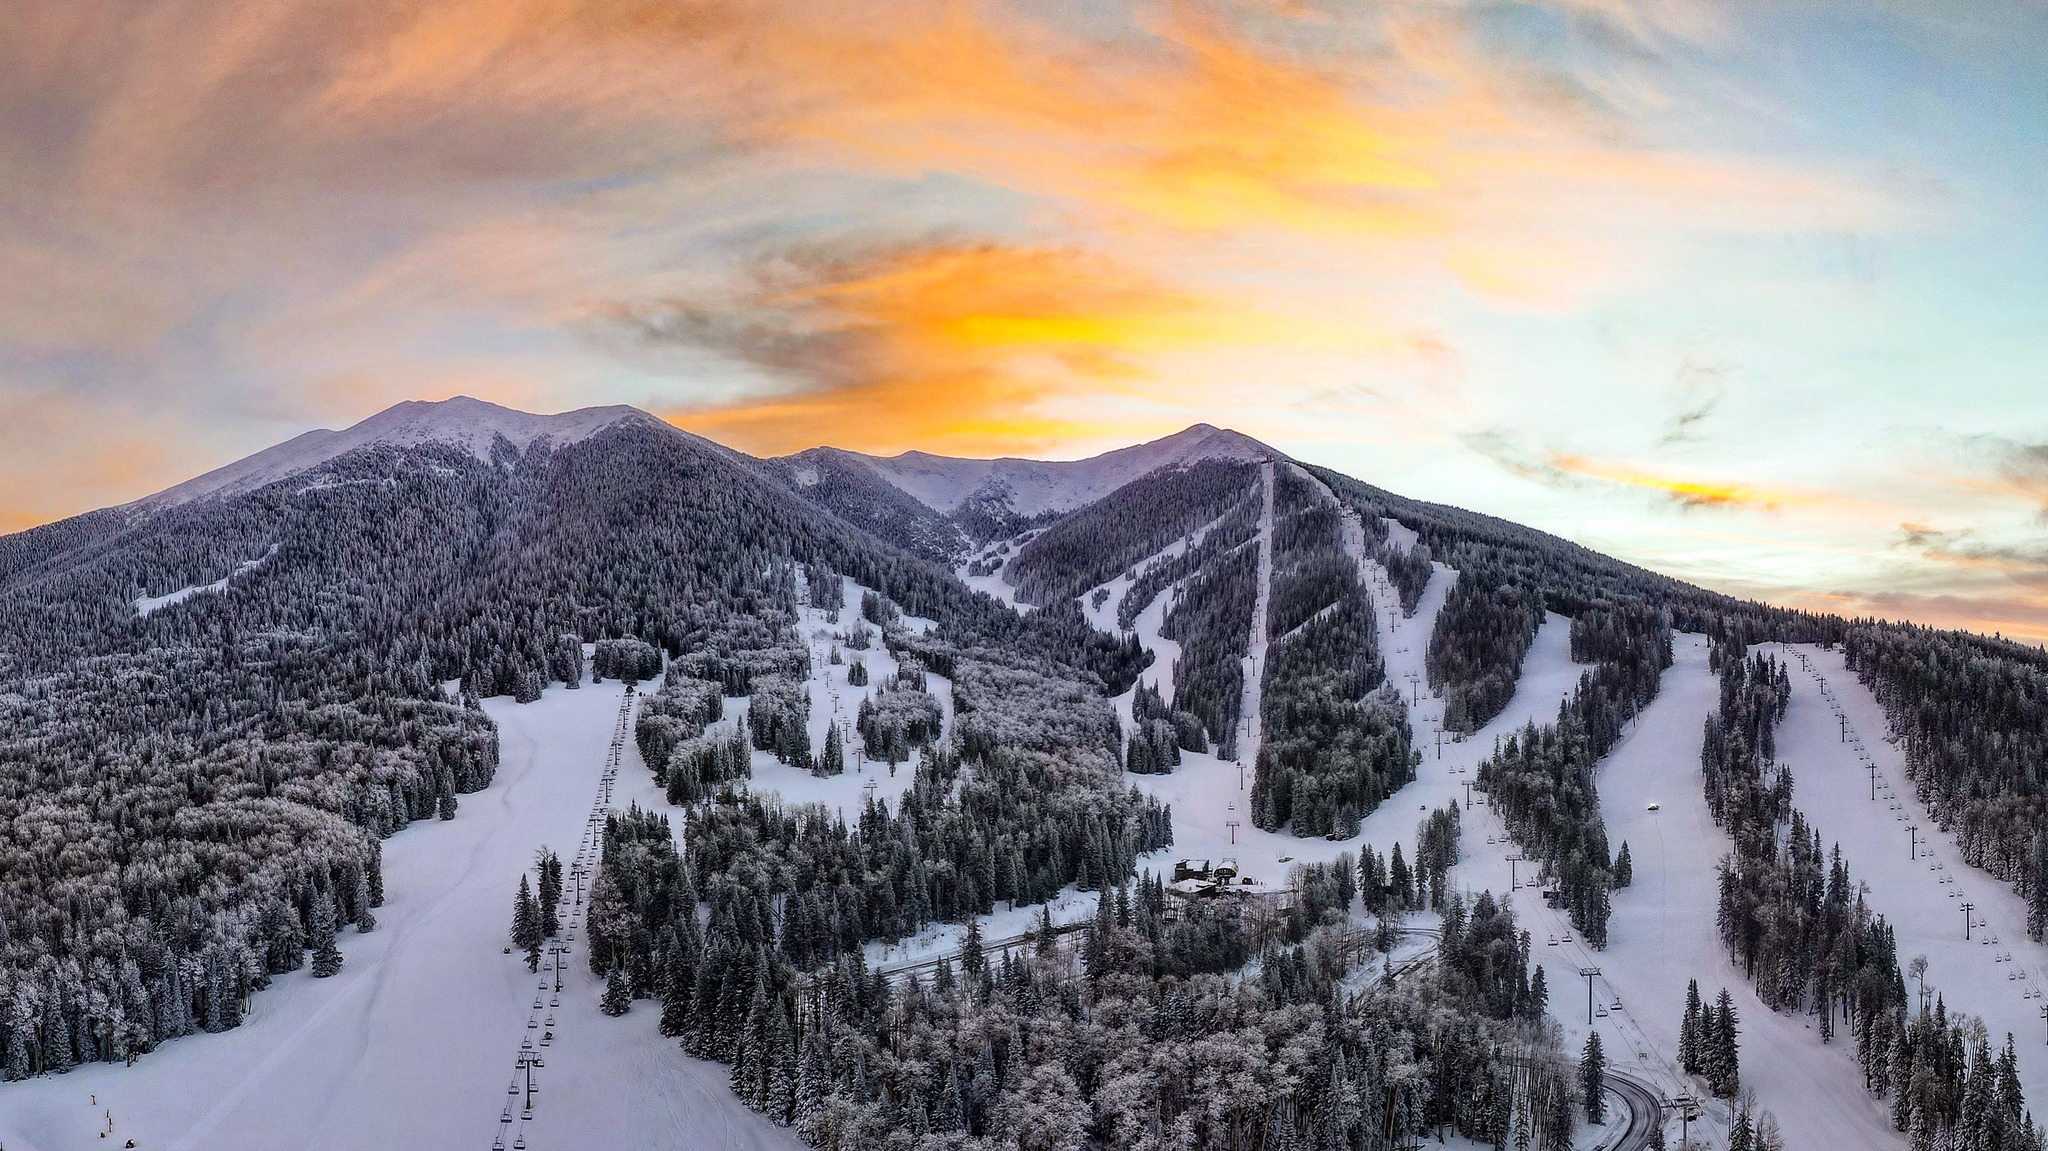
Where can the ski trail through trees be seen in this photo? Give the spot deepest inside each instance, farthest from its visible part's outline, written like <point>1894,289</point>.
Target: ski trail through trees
<point>1861,798</point>
<point>530,1060</point>
<point>1255,648</point>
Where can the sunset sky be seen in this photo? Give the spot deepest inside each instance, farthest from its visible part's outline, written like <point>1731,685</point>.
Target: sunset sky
<point>1754,294</point>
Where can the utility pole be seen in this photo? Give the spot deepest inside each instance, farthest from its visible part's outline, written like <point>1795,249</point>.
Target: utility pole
<point>1967,908</point>
<point>1514,881</point>
<point>1873,782</point>
<point>1232,825</point>
<point>1589,973</point>
<point>1468,795</point>
<point>1913,849</point>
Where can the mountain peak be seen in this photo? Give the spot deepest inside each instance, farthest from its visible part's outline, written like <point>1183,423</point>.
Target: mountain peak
<point>460,421</point>
<point>1032,487</point>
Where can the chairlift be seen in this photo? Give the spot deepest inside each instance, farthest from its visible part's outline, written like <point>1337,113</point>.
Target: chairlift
<point>1601,1012</point>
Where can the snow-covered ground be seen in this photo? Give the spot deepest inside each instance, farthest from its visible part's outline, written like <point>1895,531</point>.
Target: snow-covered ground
<point>994,582</point>
<point>147,604</point>
<point>1254,663</point>
<point>1912,870</point>
<point>411,1044</point>
<point>1663,933</point>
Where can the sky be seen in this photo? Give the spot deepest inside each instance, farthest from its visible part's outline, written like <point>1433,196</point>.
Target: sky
<point>1754,294</point>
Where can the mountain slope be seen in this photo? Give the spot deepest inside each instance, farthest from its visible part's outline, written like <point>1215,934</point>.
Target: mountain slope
<point>474,426</point>
<point>193,796</point>
<point>845,485</point>
<point>219,773</point>
<point>1031,488</point>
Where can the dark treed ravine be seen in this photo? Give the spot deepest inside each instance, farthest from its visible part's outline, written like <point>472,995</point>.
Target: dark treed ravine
<point>195,787</point>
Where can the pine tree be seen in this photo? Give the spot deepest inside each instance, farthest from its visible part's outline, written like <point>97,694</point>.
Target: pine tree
<point>676,992</point>
<point>1592,1080</point>
<point>548,866</point>
<point>1539,993</point>
<point>1689,1031</point>
<point>618,995</point>
<point>972,961</point>
<point>1899,1079</point>
<point>1624,870</point>
<point>832,761</point>
<point>1723,1070</point>
<point>320,933</point>
<point>526,924</point>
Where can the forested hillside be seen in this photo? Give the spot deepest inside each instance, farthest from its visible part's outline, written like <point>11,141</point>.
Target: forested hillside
<point>1509,575</point>
<point>213,711</point>
<point>1103,539</point>
<point>196,793</point>
<point>848,488</point>
<point>1336,734</point>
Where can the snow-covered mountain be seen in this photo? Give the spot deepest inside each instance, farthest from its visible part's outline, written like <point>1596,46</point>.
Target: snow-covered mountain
<point>471,424</point>
<point>1034,487</point>
<point>221,705</point>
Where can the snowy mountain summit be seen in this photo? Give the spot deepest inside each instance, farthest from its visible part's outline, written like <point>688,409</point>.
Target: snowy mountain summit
<point>1034,487</point>
<point>471,424</point>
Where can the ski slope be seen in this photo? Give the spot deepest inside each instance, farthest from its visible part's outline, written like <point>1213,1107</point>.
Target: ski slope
<point>410,1044</point>
<point>1832,735</point>
<point>1663,933</point>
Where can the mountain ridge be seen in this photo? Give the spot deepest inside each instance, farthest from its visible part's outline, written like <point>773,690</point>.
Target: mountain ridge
<point>1035,487</point>
<point>464,421</point>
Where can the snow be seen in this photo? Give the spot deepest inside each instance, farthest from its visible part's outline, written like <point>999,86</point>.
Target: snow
<point>1400,534</point>
<point>1663,931</point>
<point>1208,795</point>
<point>149,604</point>
<point>943,483</point>
<point>411,1044</point>
<point>993,583</point>
<point>1913,871</point>
<point>1254,669</point>
<point>470,424</point>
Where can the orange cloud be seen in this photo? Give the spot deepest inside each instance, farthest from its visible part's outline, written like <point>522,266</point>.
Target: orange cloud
<point>1692,493</point>
<point>964,347</point>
